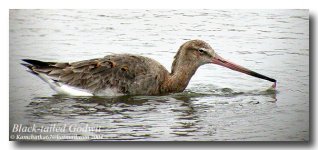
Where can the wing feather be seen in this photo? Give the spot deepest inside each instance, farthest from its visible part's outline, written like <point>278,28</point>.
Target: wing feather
<point>112,71</point>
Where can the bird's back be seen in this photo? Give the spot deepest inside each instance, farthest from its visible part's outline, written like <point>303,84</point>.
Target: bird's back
<point>110,75</point>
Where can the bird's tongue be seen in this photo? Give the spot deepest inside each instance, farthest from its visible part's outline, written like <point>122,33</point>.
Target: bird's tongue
<point>222,62</point>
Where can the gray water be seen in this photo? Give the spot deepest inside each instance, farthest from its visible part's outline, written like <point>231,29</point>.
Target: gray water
<point>218,104</point>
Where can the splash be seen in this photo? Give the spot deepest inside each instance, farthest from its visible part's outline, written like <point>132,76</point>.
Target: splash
<point>272,89</point>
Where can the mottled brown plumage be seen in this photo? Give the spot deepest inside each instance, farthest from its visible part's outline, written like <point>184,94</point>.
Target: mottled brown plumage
<point>130,74</point>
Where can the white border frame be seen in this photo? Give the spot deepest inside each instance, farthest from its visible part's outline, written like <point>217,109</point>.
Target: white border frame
<point>148,4</point>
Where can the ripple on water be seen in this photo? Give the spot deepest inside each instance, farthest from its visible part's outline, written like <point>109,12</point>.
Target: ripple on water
<point>277,46</point>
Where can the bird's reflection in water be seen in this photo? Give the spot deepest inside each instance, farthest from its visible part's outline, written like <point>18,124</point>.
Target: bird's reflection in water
<point>136,117</point>
<point>125,117</point>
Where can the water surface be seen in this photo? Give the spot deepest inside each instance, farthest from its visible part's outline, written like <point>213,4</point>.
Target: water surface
<point>219,104</point>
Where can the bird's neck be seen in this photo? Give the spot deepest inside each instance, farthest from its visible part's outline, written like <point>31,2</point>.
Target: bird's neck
<point>179,78</point>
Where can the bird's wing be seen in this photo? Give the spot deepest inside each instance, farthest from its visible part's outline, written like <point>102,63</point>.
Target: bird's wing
<point>112,71</point>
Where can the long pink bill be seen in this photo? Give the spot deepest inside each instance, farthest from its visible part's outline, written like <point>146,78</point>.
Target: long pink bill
<point>222,62</point>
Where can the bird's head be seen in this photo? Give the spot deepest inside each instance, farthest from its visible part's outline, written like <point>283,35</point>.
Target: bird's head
<point>195,53</point>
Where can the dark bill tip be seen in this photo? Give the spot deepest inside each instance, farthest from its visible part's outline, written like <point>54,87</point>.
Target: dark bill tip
<point>255,74</point>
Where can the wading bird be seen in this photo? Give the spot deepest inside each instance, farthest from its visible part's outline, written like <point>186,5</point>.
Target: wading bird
<point>129,74</point>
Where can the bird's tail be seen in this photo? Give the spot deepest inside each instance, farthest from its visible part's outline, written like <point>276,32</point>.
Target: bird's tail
<point>32,64</point>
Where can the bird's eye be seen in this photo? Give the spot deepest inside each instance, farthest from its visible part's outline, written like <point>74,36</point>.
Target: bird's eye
<point>201,51</point>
